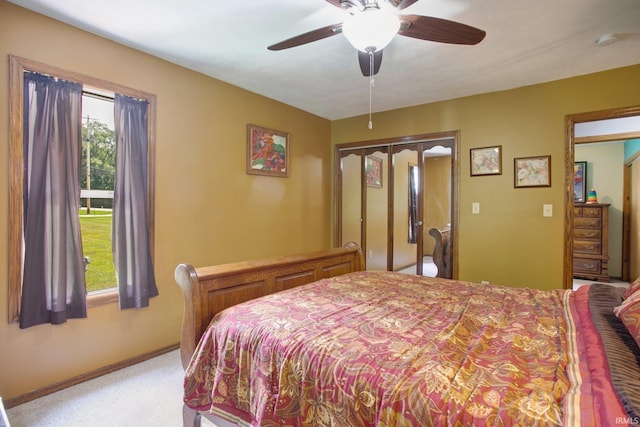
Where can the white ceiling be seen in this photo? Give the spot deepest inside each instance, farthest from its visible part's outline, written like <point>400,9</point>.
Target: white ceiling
<point>527,42</point>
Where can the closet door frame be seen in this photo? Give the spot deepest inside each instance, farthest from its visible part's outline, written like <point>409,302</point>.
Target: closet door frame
<point>421,142</point>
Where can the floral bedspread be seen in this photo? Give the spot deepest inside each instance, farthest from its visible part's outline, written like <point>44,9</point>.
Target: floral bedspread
<point>386,349</point>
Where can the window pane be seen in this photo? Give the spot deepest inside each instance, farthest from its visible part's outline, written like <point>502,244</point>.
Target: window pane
<point>97,183</point>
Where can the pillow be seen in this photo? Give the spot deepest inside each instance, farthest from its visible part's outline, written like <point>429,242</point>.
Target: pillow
<point>629,313</point>
<point>633,287</point>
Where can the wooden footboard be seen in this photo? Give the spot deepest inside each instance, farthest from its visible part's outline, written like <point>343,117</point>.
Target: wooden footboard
<point>208,290</point>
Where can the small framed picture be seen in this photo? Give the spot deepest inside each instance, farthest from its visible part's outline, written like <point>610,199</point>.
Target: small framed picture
<point>267,151</point>
<point>532,171</point>
<point>373,171</point>
<point>580,182</point>
<point>486,160</point>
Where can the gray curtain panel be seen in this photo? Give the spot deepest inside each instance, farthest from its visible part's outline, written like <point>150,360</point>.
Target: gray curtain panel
<point>53,287</point>
<point>131,246</point>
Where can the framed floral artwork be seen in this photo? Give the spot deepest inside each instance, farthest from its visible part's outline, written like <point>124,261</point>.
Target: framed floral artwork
<point>532,171</point>
<point>267,151</point>
<point>486,160</point>
<point>580,182</point>
<point>373,171</point>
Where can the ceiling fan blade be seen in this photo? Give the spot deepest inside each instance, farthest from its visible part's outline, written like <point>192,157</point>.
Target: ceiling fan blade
<point>311,36</point>
<point>336,3</point>
<point>365,64</point>
<point>439,30</point>
<point>401,4</point>
<point>346,4</point>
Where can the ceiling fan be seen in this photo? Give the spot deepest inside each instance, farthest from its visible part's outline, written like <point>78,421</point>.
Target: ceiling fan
<point>371,24</point>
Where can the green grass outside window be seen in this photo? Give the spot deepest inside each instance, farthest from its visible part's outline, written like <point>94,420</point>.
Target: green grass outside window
<point>96,242</point>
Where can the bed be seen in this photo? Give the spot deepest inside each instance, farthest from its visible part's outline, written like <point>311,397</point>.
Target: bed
<point>314,340</point>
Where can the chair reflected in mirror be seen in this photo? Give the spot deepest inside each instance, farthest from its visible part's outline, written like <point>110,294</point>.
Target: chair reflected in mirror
<point>442,251</point>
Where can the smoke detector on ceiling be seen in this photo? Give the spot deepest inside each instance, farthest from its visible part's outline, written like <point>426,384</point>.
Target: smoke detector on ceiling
<point>606,39</point>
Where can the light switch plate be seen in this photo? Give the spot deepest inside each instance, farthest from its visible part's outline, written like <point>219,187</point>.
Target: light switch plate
<point>547,210</point>
<point>475,208</point>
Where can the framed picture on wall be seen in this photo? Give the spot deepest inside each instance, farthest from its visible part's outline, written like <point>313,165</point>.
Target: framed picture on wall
<point>486,161</point>
<point>580,182</point>
<point>373,171</point>
<point>532,171</point>
<point>267,152</point>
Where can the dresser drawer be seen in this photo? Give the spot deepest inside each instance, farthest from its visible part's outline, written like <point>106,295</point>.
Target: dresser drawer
<point>589,212</point>
<point>591,247</point>
<point>587,234</point>
<point>586,265</point>
<point>590,241</point>
<point>591,223</point>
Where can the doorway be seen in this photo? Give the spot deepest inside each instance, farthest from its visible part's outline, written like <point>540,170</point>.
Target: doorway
<point>573,139</point>
<point>390,193</point>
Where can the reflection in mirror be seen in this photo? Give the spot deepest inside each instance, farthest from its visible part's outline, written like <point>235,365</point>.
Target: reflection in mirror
<point>376,217</point>
<point>351,193</point>
<point>405,252</point>
<point>437,200</point>
<point>413,203</point>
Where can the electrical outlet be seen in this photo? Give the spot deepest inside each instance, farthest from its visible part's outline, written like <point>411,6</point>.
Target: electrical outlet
<point>370,253</point>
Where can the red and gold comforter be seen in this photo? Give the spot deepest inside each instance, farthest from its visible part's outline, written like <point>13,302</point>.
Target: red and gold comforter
<point>388,349</point>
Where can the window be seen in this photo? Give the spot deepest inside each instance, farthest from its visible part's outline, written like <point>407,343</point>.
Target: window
<point>97,176</point>
<point>18,67</point>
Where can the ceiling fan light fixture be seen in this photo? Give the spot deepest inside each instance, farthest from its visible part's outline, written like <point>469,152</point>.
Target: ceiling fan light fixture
<point>371,29</point>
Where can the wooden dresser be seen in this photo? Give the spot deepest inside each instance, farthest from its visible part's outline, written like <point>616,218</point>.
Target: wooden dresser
<point>590,241</point>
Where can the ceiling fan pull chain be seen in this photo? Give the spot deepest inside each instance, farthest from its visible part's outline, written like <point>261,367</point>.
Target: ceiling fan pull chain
<point>370,86</point>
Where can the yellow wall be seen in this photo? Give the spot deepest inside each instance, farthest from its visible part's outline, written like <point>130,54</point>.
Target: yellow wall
<point>208,210</point>
<point>509,242</point>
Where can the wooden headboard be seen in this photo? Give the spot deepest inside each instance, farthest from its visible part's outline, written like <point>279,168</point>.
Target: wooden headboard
<point>208,290</point>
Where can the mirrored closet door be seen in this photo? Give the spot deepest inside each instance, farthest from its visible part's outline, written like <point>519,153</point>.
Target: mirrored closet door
<point>391,194</point>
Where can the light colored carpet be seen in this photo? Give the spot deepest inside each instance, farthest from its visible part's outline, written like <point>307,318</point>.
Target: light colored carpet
<point>428,268</point>
<point>146,394</point>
